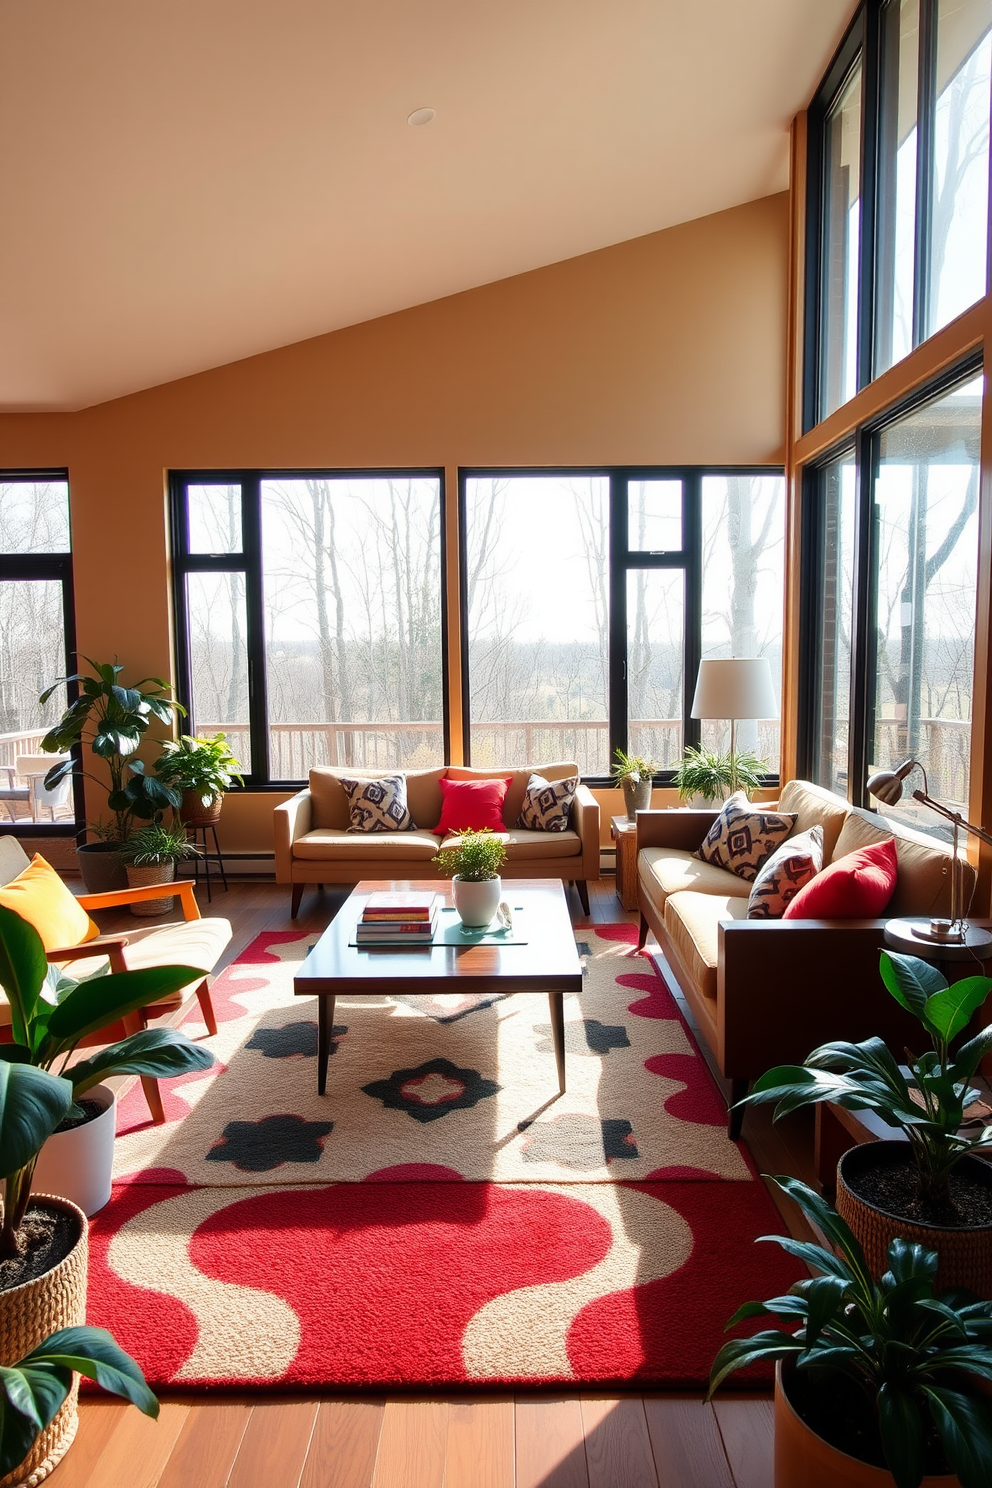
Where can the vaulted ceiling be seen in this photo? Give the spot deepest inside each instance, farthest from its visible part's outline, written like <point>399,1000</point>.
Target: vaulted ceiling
<point>191,182</point>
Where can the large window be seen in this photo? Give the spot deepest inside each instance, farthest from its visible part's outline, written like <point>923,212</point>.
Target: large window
<point>898,181</point>
<point>891,636</point>
<point>309,607</point>
<point>36,638</point>
<point>590,597</point>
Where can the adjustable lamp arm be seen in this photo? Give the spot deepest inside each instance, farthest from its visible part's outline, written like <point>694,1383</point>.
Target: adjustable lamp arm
<point>952,816</point>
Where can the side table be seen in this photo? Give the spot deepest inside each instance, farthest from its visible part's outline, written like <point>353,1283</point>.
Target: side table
<point>624,834</point>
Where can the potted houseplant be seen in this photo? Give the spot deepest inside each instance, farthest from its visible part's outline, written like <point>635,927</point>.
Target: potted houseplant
<point>474,863</point>
<point>634,774</point>
<point>150,856</point>
<point>705,776</point>
<point>882,1381</point>
<point>929,1188</point>
<point>201,770</point>
<point>51,1014</point>
<point>113,720</point>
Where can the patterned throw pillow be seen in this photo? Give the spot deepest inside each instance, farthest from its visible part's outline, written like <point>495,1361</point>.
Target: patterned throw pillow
<point>790,868</point>
<point>742,837</point>
<point>547,804</point>
<point>378,805</point>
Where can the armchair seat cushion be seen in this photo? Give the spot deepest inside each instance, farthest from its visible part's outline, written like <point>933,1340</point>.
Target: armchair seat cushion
<point>673,871</point>
<point>329,843</point>
<point>692,922</point>
<point>522,845</point>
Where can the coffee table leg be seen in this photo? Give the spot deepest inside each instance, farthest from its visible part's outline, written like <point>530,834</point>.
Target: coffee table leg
<point>325,1023</point>
<point>556,1001</point>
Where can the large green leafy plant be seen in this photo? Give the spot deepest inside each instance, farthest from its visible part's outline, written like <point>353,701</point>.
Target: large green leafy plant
<point>908,1362</point>
<point>206,766</point>
<point>50,1014</point>
<point>113,720</point>
<point>927,1099</point>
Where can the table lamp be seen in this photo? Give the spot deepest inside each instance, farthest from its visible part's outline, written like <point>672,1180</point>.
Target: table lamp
<point>735,688</point>
<point>886,786</point>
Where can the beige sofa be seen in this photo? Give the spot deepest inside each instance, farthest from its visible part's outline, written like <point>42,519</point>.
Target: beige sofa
<point>313,844</point>
<point>766,992</point>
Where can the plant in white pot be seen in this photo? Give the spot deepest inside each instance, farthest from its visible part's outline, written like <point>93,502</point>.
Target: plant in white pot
<point>877,1381</point>
<point>702,775</point>
<point>201,770</point>
<point>473,862</point>
<point>150,856</point>
<point>634,774</point>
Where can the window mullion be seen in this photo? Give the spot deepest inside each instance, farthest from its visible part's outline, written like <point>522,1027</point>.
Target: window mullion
<point>692,538</point>
<point>863,637</point>
<point>618,689</point>
<point>251,510</point>
<point>926,110</point>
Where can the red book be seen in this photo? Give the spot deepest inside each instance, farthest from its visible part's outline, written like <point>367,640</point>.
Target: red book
<point>398,906</point>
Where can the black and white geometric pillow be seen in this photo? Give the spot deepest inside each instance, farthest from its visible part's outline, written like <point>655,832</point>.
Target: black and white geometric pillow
<point>378,805</point>
<point>789,869</point>
<point>743,836</point>
<point>547,804</point>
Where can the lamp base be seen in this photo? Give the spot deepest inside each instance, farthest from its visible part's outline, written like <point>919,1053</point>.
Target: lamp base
<point>946,932</point>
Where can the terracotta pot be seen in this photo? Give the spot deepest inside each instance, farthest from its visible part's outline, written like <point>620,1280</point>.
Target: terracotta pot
<point>101,867</point>
<point>28,1315</point>
<point>195,814</point>
<point>805,1460</point>
<point>965,1254</point>
<point>78,1164</point>
<point>476,901</point>
<point>154,873</point>
<point>636,797</point>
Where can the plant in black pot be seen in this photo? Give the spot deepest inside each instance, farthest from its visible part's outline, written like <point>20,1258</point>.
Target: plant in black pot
<point>201,770</point>
<point>928,1188</point>
<point>877,1381</point>
<point>150,856</point>
<point>112,720</point>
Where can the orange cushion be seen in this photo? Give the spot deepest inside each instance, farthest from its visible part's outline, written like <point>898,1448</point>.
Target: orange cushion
<point>39,896</point>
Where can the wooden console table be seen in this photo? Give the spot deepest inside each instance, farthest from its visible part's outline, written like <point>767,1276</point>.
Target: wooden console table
<point>624,834</point>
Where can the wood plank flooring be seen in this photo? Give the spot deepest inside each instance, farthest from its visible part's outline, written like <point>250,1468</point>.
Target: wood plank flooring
<point>574,1440</point>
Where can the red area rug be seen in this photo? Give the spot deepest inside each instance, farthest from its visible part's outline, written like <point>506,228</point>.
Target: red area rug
<point>566,1271</point>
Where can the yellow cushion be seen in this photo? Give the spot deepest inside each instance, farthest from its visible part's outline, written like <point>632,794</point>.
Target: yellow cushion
<point>39,896</point>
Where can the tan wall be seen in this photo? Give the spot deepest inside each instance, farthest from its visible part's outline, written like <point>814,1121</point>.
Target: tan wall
<point>667,349</point>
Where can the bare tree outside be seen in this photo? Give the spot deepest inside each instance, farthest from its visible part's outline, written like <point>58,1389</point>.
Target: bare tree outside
<point>34,519</point>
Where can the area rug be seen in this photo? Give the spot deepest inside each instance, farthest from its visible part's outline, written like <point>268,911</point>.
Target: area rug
<point>487,1234</point>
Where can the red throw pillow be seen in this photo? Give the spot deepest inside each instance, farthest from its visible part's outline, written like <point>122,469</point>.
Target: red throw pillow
<point>470,805</point>
<point>856,887</point>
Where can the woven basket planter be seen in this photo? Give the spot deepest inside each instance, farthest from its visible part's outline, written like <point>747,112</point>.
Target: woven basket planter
<point>965,1254</point>
<point>195,814</point>
<point>154,873</point>
<point>28,1315</point>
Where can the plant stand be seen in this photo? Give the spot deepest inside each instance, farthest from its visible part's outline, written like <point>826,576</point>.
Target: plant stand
<point>624,833</point>
<point>198,836</point>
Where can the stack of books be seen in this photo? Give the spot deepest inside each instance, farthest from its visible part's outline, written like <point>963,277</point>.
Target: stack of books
<point>398,919</point>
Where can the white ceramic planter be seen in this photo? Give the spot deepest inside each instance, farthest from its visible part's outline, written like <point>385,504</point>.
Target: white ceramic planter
<point>476,902</point>
<point>78,1164</point>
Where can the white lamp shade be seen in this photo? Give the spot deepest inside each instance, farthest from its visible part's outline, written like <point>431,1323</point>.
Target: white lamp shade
<point>741,688</point>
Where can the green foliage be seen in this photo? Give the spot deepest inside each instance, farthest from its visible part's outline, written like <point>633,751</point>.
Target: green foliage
<point>910,1352</point>
<point>113,720</point>
<point>158,844</point>
<point>33,1389</point>
<point>206,766</point>
<point>475,856</point>
<point>929,1101</point>
<point>631,768</point>
<point>50,1014</point>
<point>703,773</point>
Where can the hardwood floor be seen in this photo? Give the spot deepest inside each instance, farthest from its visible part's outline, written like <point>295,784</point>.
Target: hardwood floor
<point>571,1440</point>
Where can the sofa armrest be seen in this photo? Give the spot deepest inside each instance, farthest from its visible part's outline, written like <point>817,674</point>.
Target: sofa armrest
<point>786,986</point>
<point>290,820</point>
<point>585,819</point>
<point>681,829</point>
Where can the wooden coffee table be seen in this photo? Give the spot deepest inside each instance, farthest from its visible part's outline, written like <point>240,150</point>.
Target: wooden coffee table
<point>547,962</point>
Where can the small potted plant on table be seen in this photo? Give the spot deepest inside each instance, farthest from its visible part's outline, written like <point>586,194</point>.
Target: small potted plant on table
<point>474,862</point>
<point>150,855</point>
<point>634,774</point>
<point>929,1188</point>
<point>201,770</point>
<point>883,1381</point>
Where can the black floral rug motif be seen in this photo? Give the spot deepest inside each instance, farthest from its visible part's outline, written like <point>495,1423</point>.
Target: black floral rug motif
<point>260,1146</point>
<point>432,1090</point>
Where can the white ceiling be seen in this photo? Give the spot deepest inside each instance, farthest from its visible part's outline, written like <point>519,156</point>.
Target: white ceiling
<point>187,182</point>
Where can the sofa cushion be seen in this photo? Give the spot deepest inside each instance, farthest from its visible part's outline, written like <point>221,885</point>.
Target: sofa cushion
<point>743,836</point>
<point>923,885</point>
<point>39,896</point>
<point>547,804</point>
<point>790,868</point>
<point>472,806</point>
<point>692,922</point>
<point>364,848</point>
<point>377,805</point>
<point>855,887</point>
<point>669,870</point>
<point>519,777</point>
<point>522,845</point>
<point>330,807</point>
<point>813,806</point>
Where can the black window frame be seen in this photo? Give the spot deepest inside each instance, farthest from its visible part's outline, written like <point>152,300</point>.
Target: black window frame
<point>249,562</point>
<point>621,560</point>
<point>55,568</point>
